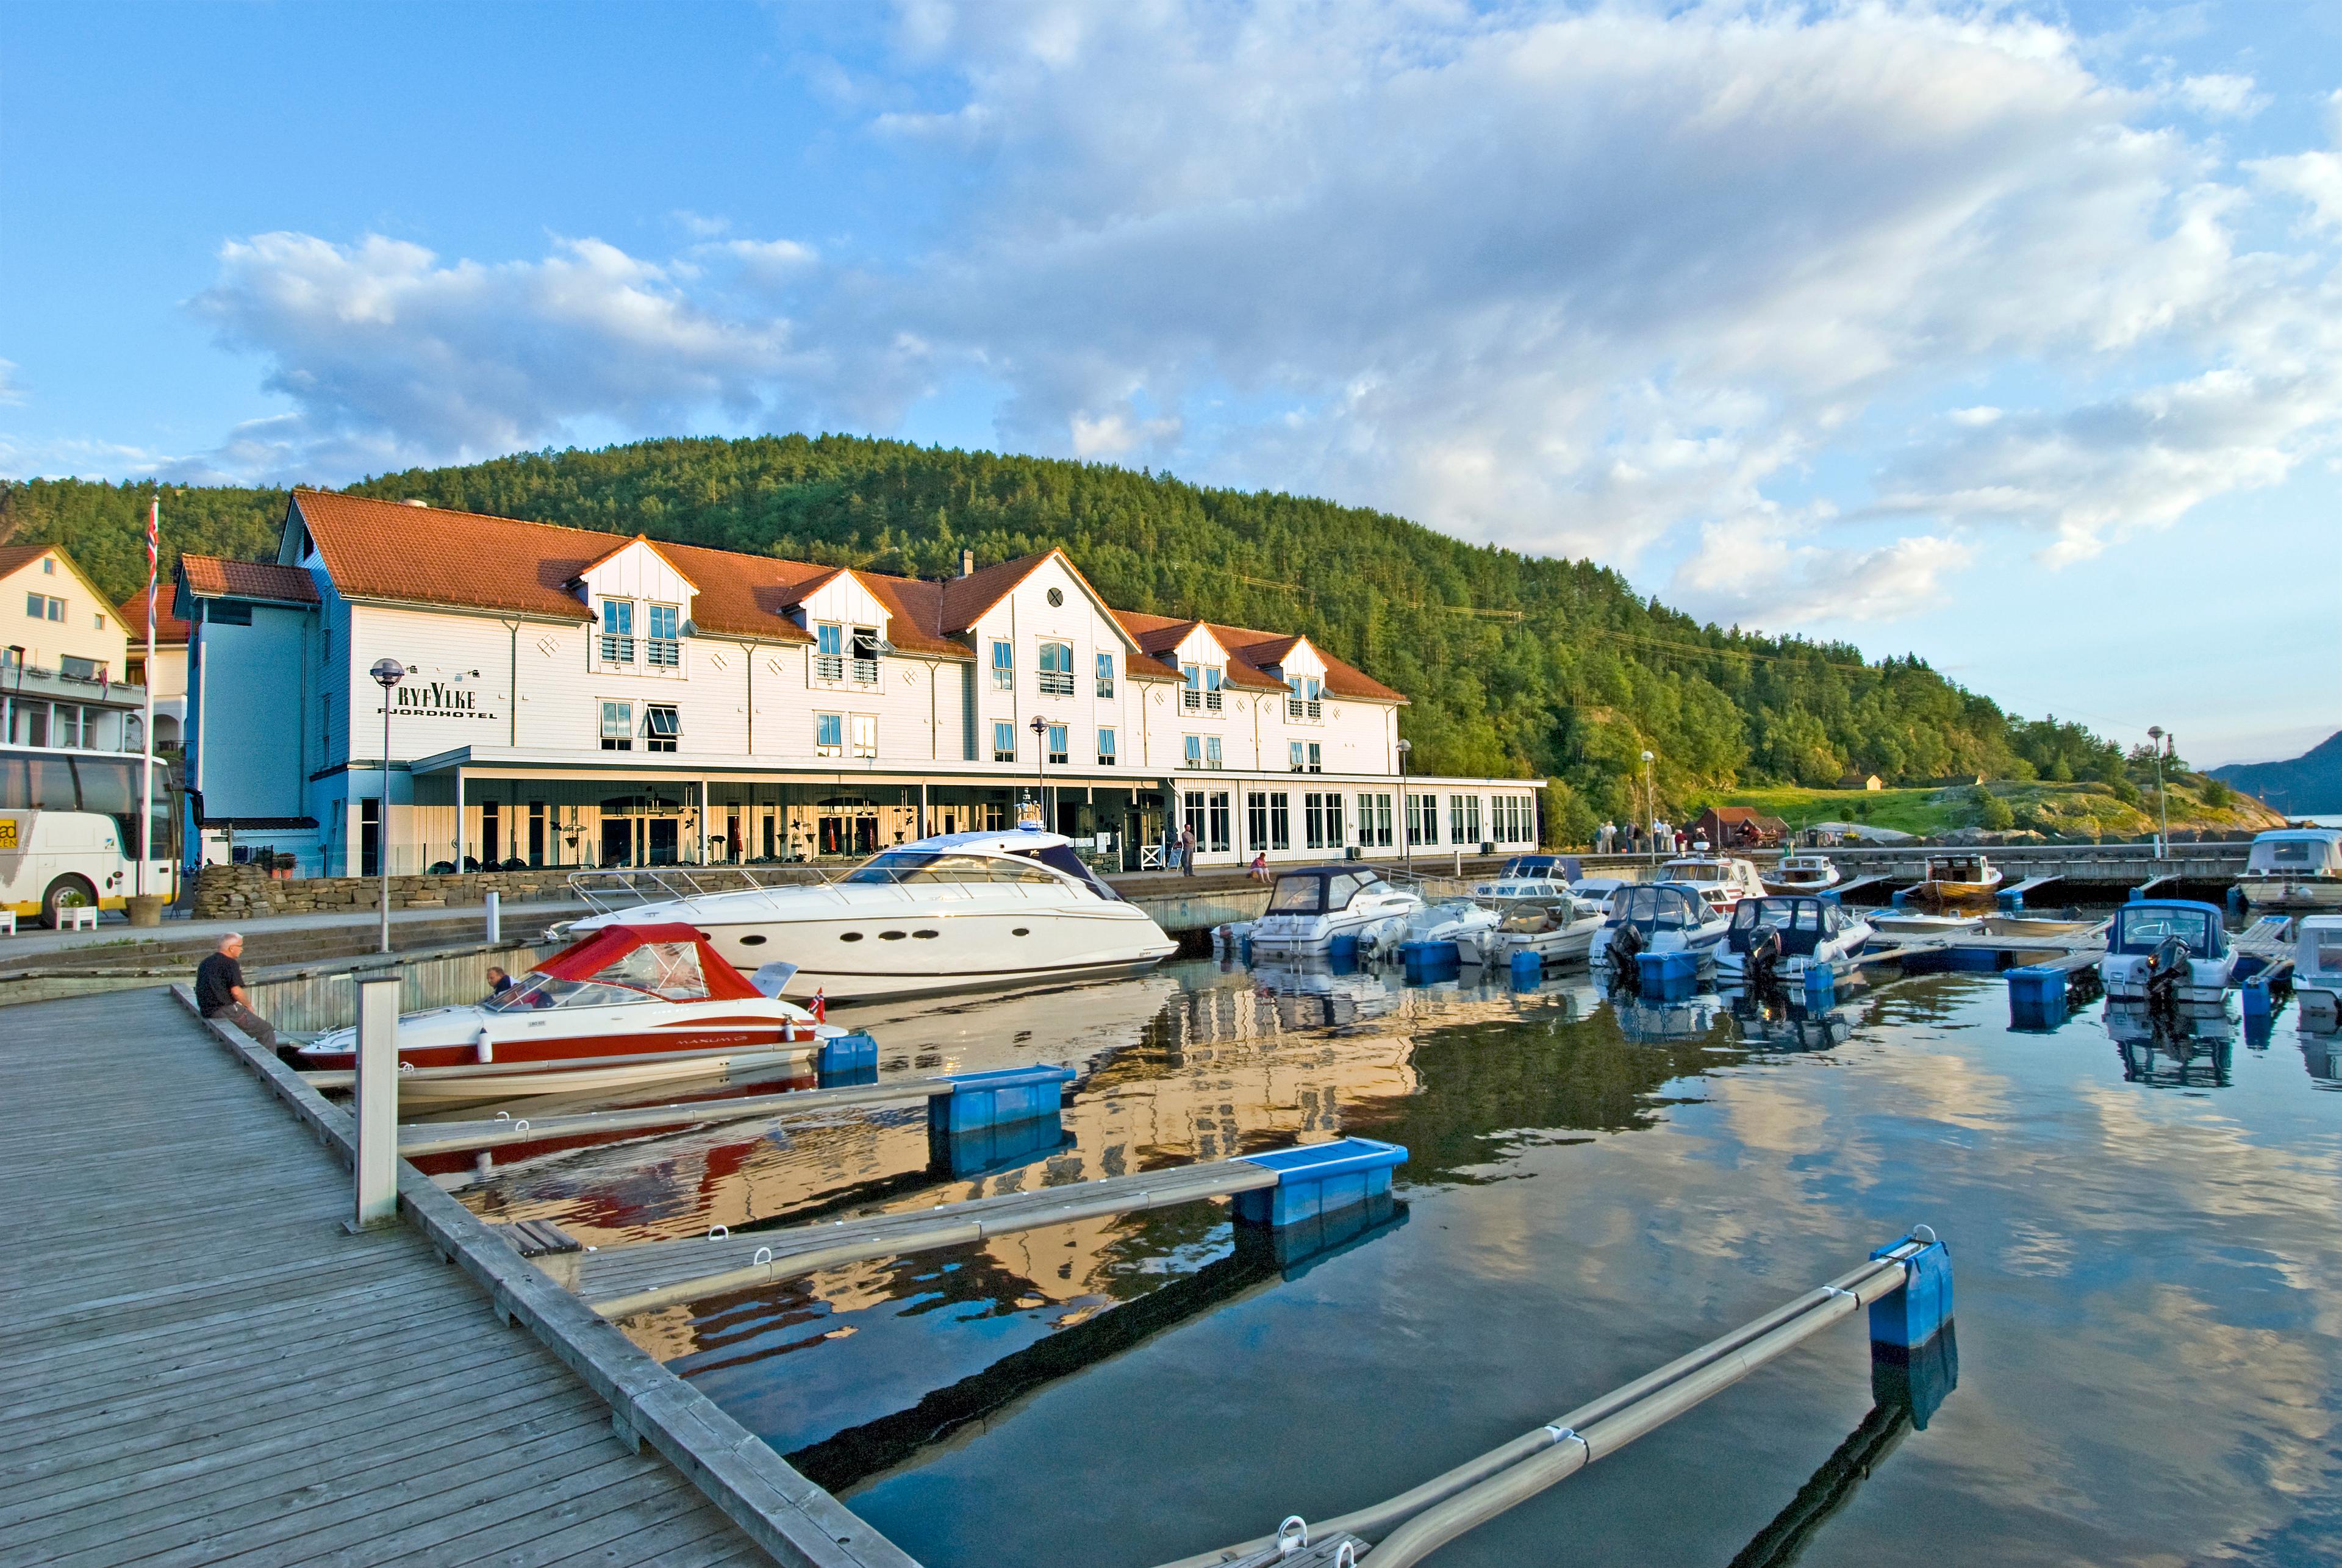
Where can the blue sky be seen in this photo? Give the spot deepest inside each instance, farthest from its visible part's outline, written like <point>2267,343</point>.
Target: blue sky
<point>2005,334</point>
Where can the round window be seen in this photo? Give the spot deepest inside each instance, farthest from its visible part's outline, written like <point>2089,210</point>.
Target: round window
<point>1057,597</point>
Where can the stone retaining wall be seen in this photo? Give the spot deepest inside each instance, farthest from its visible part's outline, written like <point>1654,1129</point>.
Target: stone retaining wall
<point>234,892</point>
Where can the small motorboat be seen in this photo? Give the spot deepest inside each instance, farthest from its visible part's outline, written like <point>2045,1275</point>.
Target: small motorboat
<point>624,1004</point>
<point>1596,892</point>
<point>1472,927</point>
<point>1959,879</point>
<point>1722,880</point>
<point>1777,938</point>
<point>1530,876</point>
<point>1308,908</point>
<point>2317,970</point>
<point>2049,922</point>
<point>2168,951</point>
<point>1803,873</point>
<point>1558,929</point>
<point>1921,923</point>
<point>2294,868</point>
<point>1659,918</point>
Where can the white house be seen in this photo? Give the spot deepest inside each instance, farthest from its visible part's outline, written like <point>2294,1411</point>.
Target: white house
<point>577,698</point>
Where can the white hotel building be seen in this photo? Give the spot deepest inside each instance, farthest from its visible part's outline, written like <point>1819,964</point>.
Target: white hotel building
<point>581,699</point>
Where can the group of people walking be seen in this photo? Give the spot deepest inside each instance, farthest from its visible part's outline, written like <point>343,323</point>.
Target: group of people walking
<point>1633,838</point>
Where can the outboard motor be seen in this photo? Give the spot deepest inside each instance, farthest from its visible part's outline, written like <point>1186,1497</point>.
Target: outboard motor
<point>2167,971</point>
<point>1626,974</point>
<point>1761,965</point>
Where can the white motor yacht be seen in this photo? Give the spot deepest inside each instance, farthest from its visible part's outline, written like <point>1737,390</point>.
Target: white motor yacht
<point>1558,929</point>
<point>1803,873</point>
<point>1529,876</point>
<point>1778,937</point>
<point>957,912</point>
<point>1722,880</point>
<point>1309,907</point>
<point>1660,918</point>
<point>2294,868</point>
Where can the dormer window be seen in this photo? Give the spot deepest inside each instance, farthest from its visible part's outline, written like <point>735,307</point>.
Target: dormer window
<point>618,630</point>
<point>1203,692</point>
<point>866,654</point>
<point>829,652</point>
<point>1305,697</point>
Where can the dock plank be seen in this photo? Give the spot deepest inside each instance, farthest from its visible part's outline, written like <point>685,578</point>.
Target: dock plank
<point>175,1208</point>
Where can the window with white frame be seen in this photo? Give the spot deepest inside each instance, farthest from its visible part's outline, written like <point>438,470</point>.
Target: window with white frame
<point>1321,819</point>
<point>1059,753</point>
<point>1316,757</point>
<point>865,655</point>
<point>1106,674</point>
<point>664,650</point>
<point>865,735</point>
<point>1105,748</point>
<point>1191,751</point>
<point>42,607</point>
<point>662,727</point>
<point>1423,819</point>
<point>1373,819</point>
<point>1303,697</point>
<point>617,727</point>
<point>829,652</point>
<point>618,630</point>
<point>1202,688</point>
<point>1215,818</point>
<point>1297,758</point>
<point>1280,820</point>
<point>1056,670</point>
<point>1004,741</point>
<point>829,734</point>
<point>1003,666</point>
<point>1464,818</point>
<point>1212,752</point>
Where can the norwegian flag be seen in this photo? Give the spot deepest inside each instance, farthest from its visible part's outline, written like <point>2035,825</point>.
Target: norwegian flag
<point>821,1005</point>
<point>153,538</point>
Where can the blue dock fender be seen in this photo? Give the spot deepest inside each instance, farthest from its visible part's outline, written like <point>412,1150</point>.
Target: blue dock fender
<point>1319,1179</point>
<point>1910,1317</point>
<point>991,1099</point>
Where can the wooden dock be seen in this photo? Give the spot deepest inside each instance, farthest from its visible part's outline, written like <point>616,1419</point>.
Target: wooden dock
<point>203,1364</point>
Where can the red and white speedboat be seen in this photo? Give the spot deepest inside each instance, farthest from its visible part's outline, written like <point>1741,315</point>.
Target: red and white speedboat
<point>625,1004</point>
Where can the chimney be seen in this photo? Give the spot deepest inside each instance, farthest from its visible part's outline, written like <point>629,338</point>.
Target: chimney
<point>968,562</point>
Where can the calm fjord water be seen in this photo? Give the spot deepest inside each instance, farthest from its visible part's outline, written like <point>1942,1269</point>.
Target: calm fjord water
<point>2147,1336</point>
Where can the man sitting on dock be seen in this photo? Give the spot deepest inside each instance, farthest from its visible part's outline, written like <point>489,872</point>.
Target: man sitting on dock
<point>219,991</point>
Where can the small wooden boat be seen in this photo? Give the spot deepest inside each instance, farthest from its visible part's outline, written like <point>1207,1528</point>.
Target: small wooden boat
<point>1959,879</point>
<point>625,1004</point>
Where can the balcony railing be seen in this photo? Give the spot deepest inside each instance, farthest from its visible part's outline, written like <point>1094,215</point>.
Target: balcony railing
<point>866,671</point>
<point>829,666</point>
<point>617,650</point>
<point>663,653</point>
<point>1303,708</point>
<point>1212,701</point>
<point>1191,700</point>
<point>1056,683</point>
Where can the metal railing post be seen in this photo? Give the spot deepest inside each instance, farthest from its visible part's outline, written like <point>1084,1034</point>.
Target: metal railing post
<point>377,1103</point>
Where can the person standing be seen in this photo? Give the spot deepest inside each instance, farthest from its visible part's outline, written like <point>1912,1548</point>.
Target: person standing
<point>1187,851</point>
<point>219,991</point>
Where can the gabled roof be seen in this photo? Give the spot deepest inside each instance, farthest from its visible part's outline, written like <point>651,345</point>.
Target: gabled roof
<point>212,577</point>
<point>648,543</point>
<point>168,628</point>
<point>15,557</point>
<point>1247,651</point>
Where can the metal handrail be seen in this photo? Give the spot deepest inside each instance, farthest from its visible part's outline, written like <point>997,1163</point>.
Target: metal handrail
<point>609,892</point>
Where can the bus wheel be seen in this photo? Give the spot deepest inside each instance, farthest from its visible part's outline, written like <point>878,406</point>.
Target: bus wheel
<point>65,892</point>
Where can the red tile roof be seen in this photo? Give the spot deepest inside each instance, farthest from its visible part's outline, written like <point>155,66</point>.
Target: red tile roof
<point>168,628</point>
<point>13,556</point>
<point>211,577</point>
<point>386,550</point>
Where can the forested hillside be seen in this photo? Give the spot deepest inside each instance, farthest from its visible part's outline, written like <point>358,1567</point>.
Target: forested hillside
<point>1516,665</point>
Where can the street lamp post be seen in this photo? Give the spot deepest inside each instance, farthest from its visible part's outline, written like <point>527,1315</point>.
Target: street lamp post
<point>387,674</point>
<point>1406,810</point>
<point>2162,804</point>
<point>1041,770</point>
<point>1650,809</point>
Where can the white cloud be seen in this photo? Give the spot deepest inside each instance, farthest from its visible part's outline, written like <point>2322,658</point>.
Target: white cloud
<point>1763,572</point>
<point>10,392</point>
<point>1589,282</point>
<point>2222,98</point>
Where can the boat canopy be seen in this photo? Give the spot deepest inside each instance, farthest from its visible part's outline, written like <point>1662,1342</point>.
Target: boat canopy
<point>1319,889</point>
<point>2318,955</point>
<point>1698,870</point>
<point>2297,850</point>
<point>2141,927</point>
<point>1659,906</point>
<point>617,965</point>
<point>1804,924</point>
<point>1550,867</point>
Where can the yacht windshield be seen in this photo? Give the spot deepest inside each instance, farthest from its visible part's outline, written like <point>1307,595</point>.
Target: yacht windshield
<point>1063,858</point>
<point>1298,896</point>
<point>942,865</point>
<point>1657,908</point>
<point>2142,930</point>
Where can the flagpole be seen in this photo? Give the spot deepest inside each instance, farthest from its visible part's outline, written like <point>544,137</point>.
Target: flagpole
<point>147,821</point>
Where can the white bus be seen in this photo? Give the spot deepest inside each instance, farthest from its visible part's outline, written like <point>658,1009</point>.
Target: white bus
<point>69,830</point>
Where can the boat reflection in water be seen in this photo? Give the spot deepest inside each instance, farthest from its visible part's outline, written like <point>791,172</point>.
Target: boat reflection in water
<point>1667,1023</point>
<point>2192,1048</point>
<point>1782,1023</point>
<point>1313,996</point>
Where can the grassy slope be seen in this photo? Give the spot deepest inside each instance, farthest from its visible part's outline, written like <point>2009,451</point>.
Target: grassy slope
<point>2068,810</point>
